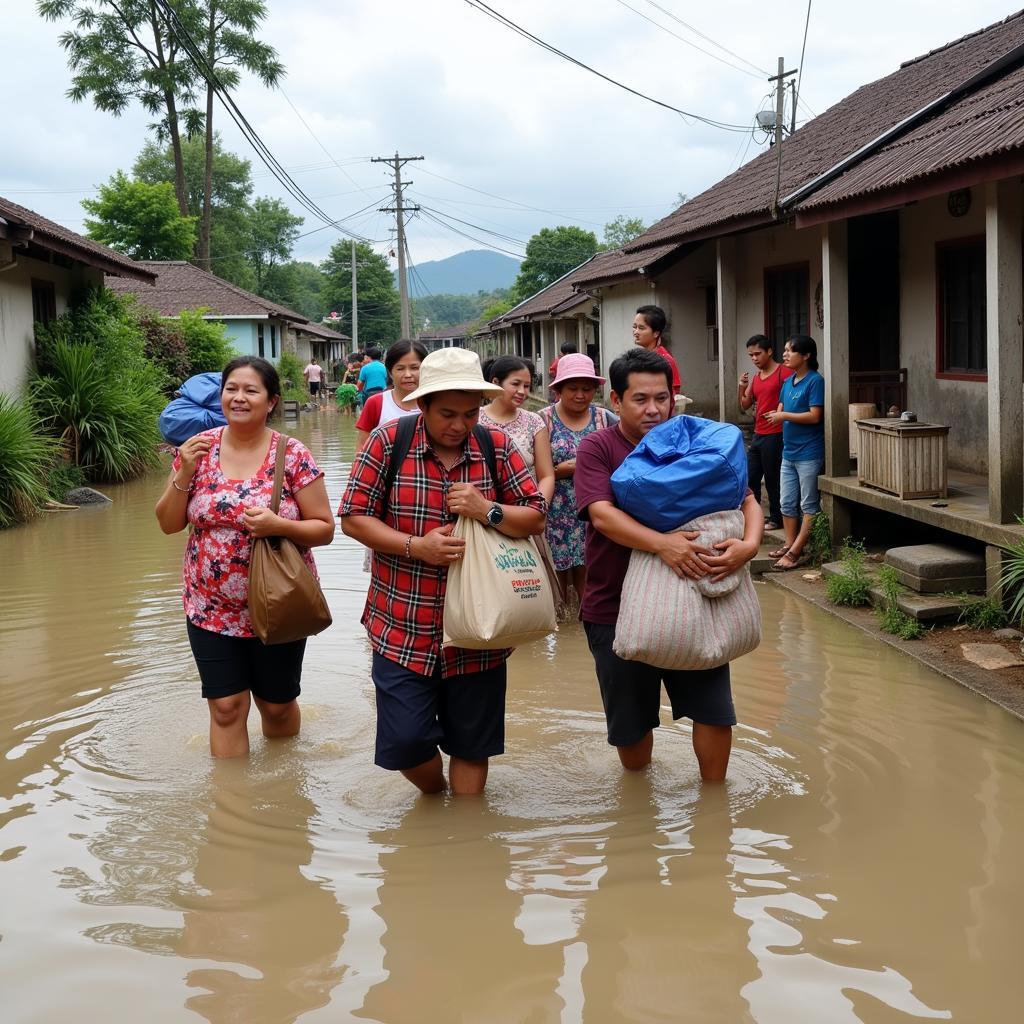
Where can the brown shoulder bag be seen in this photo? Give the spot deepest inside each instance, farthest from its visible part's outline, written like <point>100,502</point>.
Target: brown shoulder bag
<point>285,599</point>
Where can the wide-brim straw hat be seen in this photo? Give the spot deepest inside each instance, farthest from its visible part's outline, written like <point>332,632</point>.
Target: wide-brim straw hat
<point>575,366</point>
<point>452,369</point>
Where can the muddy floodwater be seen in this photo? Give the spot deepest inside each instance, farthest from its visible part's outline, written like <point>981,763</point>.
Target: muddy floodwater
<point>863,862</point>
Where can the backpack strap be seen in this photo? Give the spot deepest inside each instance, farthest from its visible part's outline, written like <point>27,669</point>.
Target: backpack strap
<point>404,433</point>
<point>486,442</point>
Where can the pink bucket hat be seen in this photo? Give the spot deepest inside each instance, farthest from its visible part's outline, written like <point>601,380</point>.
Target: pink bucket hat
<point>576,366</point>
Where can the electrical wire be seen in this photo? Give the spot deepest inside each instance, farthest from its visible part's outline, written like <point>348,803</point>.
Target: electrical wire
<point>479,241</point>
<point>209,74</point>
<point>803,50</point>
<point>480,6</point>
<point>683,39</point>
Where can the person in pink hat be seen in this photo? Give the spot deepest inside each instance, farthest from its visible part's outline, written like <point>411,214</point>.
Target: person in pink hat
<point>569,420</point>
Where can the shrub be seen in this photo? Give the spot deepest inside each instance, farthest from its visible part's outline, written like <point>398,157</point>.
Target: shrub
<point>290,370</point>
<point>165,345</point>
<point>64,477</point>
<point>209,348</point>
<point>1011,578</point>
<point>981,612</point>
<point>851,586</point>
<point>890,617</point>
<point>25,455</point>
<point>820,540</point>
<point>108,421</point>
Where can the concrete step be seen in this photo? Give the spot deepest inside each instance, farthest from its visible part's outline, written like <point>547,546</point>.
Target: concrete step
<point>938,568</point>
<point>926,608</point>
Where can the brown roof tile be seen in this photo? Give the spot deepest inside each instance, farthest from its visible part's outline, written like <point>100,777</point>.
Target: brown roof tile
<point>541,304</point>
<point>50,235</point>
<point>181,286</point>
<point>621,264</point>
<point>462,330</point>
<point>321,331</point>
<point>745,197</point>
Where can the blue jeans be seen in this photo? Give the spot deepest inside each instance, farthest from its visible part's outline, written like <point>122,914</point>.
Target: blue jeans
<point>799,487</point>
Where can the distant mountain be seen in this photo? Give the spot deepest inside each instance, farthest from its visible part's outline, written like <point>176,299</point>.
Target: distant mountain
<point>465,273</point>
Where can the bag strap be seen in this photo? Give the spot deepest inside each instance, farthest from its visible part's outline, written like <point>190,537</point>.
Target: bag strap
<point>282,451</point>
<point>404,433</point>
<point>486,442</point>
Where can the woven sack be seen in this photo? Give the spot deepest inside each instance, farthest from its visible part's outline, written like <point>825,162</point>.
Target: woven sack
<point>285,599</point>
<point>499,593</point>
<point>679,623</point>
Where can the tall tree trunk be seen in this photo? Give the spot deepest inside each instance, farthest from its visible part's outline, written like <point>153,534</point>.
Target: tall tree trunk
<point>204,227</point>
<point>180,188</point>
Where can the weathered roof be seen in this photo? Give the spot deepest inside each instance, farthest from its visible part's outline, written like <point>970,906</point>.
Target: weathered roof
<point>622,264</point>
<point>50,235</point>
<point>462,330</point>
<point>543,303</point>
<point>745,198</point>
<point>984,125</point>
<point>180,286</point>
<point>321,331</point>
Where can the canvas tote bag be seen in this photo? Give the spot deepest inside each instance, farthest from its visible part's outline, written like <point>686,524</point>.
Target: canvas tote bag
<point>679,623</point>
<point>285,599</point>
<point>499,593</point>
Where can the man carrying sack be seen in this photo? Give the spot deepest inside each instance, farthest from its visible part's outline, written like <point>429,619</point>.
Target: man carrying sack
<point>432,698</point>
<point>641,392</point>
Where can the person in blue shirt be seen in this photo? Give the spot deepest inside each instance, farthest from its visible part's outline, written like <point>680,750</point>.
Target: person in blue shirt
<point>801,413</point>
<point>373,377</point>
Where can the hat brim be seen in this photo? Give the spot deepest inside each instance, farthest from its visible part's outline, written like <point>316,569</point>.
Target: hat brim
<point>477,384</point>
<point>558,381</point>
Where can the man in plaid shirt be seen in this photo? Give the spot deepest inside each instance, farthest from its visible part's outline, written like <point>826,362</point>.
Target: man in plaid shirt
<point>429,697</point>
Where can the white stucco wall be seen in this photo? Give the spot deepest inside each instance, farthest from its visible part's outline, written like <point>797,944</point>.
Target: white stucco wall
<point>961,404</point>
<point>17,339</point>
<point>618,307</point>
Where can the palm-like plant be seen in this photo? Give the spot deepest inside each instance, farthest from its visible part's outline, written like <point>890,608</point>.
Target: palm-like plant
<point>25,457</point>
<point>1011,578</point>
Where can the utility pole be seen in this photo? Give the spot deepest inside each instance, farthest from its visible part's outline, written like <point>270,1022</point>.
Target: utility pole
<point>399,210</point>
<point>792,112</point>
<point>355,303</point>
<point>780,108</point>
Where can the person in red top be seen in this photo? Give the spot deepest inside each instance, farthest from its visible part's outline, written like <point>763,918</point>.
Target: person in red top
<point>429,697</point>
<point>567,348</point>
<point>648,326</point>
<point>764,457</point>
<point>631,690</point>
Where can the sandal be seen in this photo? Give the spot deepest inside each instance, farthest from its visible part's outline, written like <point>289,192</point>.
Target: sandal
<point>772,525</point>
<point>795,561</point>
<point>779,552</point>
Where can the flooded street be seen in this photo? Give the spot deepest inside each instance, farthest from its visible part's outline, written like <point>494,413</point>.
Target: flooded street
<point>861,864</point>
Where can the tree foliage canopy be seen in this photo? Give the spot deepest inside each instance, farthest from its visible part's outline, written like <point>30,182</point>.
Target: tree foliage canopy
<point>378,303</point>
<point>550,254</point>
<point>140,220</point>
<point>622,230</point>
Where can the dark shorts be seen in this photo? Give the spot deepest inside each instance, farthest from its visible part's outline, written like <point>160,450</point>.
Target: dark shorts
<point>314,386</point>
<point>416,714</point>
<point>234,664</point>
<point>631,691</point>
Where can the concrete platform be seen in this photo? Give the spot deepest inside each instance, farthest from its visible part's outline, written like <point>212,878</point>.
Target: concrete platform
<point>938,568</point>
<point>926,608</point>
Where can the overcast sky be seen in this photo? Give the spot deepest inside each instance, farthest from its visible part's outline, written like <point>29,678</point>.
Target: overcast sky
<point>486,108</point>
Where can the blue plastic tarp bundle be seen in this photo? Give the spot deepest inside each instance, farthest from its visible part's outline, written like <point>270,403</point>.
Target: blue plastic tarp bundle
<point>196,408</point>
<point>682,469</point>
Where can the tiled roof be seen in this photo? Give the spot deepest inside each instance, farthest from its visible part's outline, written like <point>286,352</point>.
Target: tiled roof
<point>50,235</point>
<point>745,198</point>
<point>985,124</point>
<point>542,303</point>
<point>462,330</point>
<point>621,264</point>
<point>321,331</point>
<point>180,285</point>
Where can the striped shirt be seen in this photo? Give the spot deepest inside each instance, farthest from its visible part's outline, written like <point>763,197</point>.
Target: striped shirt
<point>405,604</point>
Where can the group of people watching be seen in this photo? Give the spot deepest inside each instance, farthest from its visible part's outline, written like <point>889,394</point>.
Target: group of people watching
<point>553,479</point>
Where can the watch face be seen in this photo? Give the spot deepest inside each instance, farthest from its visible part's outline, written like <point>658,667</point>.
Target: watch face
<point>495,515</point>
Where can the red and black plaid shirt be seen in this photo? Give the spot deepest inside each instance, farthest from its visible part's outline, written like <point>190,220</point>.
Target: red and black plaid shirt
<point>405,604</point>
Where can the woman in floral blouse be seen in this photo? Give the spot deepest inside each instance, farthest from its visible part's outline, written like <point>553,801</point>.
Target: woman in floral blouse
<point>220,485</point>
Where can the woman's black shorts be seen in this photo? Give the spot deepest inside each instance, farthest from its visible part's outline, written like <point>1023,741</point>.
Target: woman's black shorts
<point>234,664</point>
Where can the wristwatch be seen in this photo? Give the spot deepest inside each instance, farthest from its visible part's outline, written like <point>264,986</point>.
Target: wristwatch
<point>495,515</point>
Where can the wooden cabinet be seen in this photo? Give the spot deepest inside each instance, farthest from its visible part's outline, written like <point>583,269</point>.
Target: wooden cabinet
<point>905,459</point>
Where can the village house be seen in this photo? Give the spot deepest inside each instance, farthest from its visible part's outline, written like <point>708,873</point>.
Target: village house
<point>453,336</point>
<point>42,264</point>
<point>894,239</point>
<point>254,325</point>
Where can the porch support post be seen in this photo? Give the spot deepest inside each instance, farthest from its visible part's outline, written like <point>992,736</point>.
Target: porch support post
<point>728,343</point>
<point>835,361</point>
<point>547,338</point>
<point>1003,331</point>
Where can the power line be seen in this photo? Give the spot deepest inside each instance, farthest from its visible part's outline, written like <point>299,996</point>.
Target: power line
<point>803,50</point>
<point>519,30</point>
<point>479,241</point>
<point>682,39</point>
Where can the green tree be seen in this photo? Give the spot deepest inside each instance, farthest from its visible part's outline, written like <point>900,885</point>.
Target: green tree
<point>229,43</point>
<point>270,234</point>
<point>622,230</point>
<point>550,254</point>
<point>122,51</point>
<point>379,306</point>
<point>299,286</point>
<point>209,347</point>
<point>140,220</point>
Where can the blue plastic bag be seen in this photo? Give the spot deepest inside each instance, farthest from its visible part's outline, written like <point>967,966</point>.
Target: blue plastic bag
<point>684,468</point>
<point>196,408</point>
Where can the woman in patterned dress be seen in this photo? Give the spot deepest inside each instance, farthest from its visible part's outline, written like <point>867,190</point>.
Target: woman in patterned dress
<point>514,375</point>
<point>220,485</point>
<point>569,420</point>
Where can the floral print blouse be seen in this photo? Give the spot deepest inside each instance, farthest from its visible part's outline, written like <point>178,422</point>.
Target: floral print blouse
<point>216,566</point>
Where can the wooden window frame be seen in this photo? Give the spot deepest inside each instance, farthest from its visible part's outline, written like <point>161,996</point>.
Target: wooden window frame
<point>805,266</point>
<point>940,338</point>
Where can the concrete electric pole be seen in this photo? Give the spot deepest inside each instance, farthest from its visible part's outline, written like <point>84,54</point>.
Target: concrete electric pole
<point>399,210</point>
<point>355,303</point>
<point>780,114</point>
